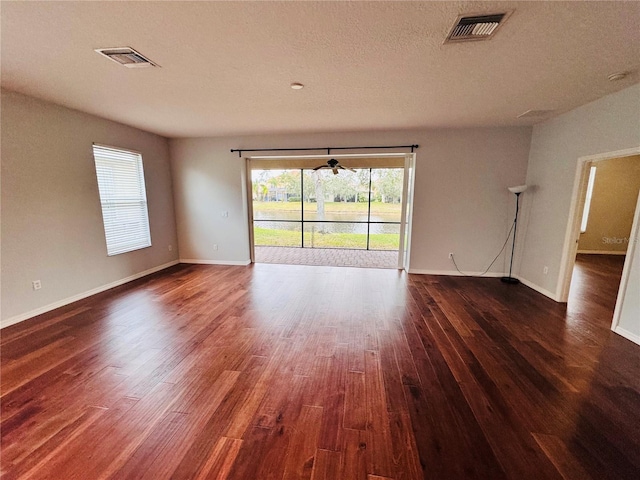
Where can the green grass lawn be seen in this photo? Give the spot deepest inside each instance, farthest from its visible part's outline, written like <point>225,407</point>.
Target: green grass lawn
<point>333,207</point>
<point>288,238</point>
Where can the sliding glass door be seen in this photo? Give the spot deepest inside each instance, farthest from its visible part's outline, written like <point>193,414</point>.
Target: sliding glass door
<point>277,215</point>
<point>317,209</point>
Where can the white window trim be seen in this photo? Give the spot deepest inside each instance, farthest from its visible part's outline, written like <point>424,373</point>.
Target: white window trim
<point>587,200</point>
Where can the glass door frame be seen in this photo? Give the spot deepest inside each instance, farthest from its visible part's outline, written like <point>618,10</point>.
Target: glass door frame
<point>406,201</point>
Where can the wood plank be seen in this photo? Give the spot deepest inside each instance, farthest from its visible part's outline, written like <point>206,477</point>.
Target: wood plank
<point>49,448</point>
<point>301,455</point>
<point>48,413</point>
<point>568,466</point>
<point>205,441</point>
<point>354,456</point>
<point>333,402</point>
<point>355,406</point>
<point>250,405</point>
<point>327,465</point>
<point>286,408</point>
<point>379,451</point>
<point>405,450</point>
<point>76,455</point>
<point>221,459</point>
<point>249,458</point>
<point>392,380</point>
<point>166,445</point>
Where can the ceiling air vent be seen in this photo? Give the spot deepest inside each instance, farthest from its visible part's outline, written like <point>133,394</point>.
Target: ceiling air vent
<point>477,27</point>
<point>127,57</point>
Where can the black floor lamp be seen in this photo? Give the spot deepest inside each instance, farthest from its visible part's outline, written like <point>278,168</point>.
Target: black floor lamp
<point>517,190</point>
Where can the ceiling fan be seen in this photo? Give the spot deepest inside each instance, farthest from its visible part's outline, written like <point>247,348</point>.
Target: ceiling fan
<point>334,165</point>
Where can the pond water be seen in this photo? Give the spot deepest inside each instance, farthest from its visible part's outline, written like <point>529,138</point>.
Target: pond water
<point>262,220</point>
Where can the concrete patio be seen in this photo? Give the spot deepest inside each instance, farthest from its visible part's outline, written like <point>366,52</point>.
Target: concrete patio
<point>333,257</point>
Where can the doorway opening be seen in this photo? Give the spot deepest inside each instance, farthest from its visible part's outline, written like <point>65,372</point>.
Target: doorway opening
<point>603,210</point>
<point>300,214</point>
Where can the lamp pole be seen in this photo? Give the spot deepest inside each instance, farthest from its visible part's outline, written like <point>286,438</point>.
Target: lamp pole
<point>510,279</point>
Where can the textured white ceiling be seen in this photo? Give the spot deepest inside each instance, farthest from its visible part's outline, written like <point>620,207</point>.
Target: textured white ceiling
<point>227,66</point>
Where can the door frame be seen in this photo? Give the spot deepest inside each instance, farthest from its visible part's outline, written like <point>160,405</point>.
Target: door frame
<point>404,254</point>
<point>572,235</point>
<point>406,219</point>
<point>626,272</point>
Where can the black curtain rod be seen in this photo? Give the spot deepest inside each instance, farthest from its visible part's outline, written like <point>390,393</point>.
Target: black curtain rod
<point>328,149</point>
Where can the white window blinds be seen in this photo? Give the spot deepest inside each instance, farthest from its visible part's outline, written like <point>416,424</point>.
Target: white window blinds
<point>123,198</point>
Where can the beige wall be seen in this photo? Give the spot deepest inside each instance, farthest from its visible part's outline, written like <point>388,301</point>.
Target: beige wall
<point>52,226</point>
<point>461,202</point>
<point>609,124</point>
<point>613,204</point>
<point>51,217</point>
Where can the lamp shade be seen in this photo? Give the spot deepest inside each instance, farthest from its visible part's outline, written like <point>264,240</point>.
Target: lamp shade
<point>518,189</point>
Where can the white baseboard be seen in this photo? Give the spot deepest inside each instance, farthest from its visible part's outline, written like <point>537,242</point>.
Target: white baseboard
<point>61,303</point>
<point>215,262</point>
<point>538,289</point>
<point>455,273</point>
<point>627,334</point>
<point>602,252</point>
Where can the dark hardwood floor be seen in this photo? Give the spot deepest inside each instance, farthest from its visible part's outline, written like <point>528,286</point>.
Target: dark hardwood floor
<point>271,371</point>
<point>594,284</point>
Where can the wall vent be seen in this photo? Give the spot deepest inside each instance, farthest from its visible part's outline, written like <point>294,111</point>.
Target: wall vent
<point>127,57</point>
<point>477,27</point>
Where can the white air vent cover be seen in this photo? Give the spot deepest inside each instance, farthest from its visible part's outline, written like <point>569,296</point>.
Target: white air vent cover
<point>127,57</point>
<point>477,27</point>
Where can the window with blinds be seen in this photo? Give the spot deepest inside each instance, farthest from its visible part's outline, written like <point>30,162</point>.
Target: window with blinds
<point>123,198</point>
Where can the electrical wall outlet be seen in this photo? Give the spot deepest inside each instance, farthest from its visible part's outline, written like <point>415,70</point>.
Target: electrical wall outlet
<point>215,247</point>
<point>37,285</point>
<point>225,214</point>
<point>545,270</point>
<point>450,254</point>
<point>170,247</point>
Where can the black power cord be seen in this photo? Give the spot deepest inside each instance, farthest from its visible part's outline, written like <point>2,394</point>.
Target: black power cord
<point>492,262</point>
